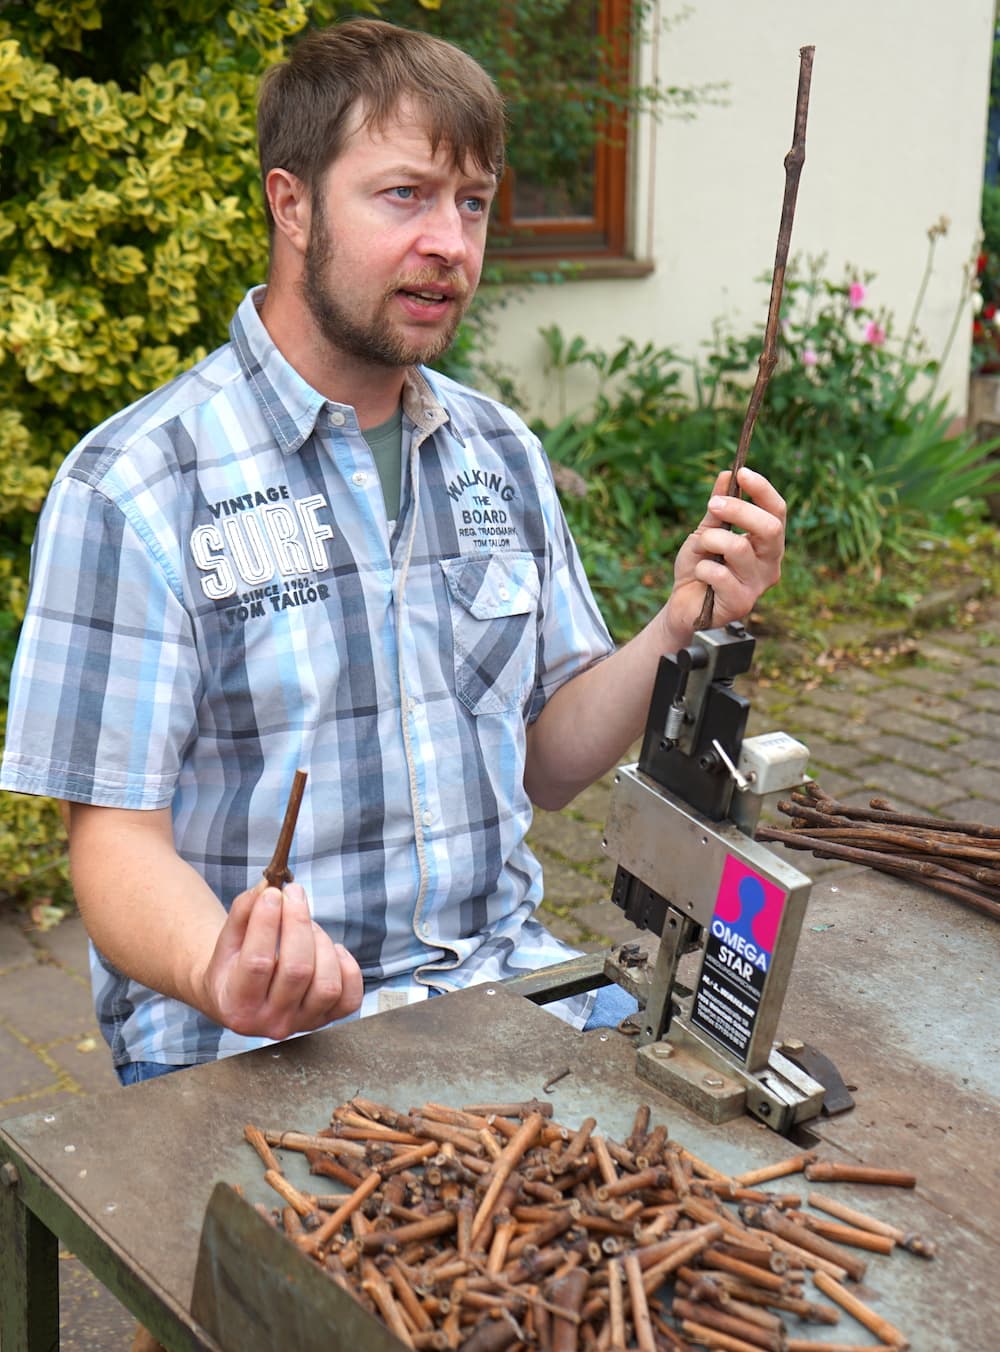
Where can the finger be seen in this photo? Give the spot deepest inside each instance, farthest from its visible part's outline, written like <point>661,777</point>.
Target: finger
<point>296,952</point>
<point>351,980</point>
<point>250,978</point>
<point>233,932</point>
<point>335,989</point>
<point>762,492</point>
<point>765,530</point>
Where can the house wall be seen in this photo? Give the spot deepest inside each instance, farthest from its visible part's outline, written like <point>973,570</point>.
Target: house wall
<point>895,141</point>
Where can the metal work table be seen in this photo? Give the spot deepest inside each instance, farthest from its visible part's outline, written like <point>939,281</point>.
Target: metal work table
<point>893,982</point>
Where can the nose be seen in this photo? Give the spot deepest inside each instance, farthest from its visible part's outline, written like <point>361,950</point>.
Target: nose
<point>443,235</point>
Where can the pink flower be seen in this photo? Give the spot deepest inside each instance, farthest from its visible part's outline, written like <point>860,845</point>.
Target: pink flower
<point>809,357</point>
<point>856,295</point>
<point>874,333</point>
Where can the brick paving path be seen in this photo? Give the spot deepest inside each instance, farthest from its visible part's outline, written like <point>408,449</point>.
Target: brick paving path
<point>925,734</point>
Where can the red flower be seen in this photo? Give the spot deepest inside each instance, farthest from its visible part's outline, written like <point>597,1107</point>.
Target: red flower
<point>981,262</point>
<point>989,310</point>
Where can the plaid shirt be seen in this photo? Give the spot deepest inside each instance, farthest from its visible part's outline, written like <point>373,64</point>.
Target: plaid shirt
<point>217,601</point>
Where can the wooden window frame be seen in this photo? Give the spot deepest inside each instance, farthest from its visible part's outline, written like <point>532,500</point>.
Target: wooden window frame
<point>604,233</point>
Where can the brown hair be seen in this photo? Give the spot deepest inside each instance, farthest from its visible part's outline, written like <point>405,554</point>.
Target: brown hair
<point>304,107</point>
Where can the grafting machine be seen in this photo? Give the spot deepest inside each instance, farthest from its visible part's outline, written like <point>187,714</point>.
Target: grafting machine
<point>727,909</point>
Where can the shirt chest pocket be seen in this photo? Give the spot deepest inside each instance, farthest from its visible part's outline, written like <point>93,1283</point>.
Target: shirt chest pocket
<point>493,600</point>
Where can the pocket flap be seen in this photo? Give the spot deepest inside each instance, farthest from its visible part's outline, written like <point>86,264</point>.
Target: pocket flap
<point>490,586</point>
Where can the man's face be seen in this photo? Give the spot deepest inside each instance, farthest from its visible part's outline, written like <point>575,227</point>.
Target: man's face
<point>395,245</point>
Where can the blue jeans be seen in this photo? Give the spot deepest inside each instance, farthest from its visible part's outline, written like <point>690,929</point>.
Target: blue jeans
<point>611,1006</point>
<point>134,1072</point>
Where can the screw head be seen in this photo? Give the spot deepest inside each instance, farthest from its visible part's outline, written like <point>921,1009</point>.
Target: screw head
<point>663,1051</point>
<point>9,1176</point>
<point>713,1081</point>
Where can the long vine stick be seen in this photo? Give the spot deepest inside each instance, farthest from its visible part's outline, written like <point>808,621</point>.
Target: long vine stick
<point>794,161</point>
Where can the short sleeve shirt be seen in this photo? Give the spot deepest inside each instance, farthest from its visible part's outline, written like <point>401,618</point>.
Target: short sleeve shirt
<point>217,602</point>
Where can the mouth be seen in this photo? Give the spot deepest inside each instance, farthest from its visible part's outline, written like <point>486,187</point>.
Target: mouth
<point>427,297</point>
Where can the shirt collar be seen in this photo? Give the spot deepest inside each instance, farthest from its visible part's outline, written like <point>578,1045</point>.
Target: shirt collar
<point>290,405</point>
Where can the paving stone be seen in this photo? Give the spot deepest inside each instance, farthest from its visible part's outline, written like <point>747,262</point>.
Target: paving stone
<point>89,1070</point>
<point>975,637</point>
<point>932,760</point>
<point>578,842</point>
<point>44,1004</point>
<point>986,668</point>
<point>838,755</point>
<point>592,804</point>
<point>899,783</point>
<point>66,944</point>
<point>564,886</point>
<point>609,922</point>
<point>90,1318</point>
<point>839,725</point>
<point>936,707</point>
<point>986,753</point>
<point>859,680</point>
<point>982,723</point>
<point>978,780</point>
<point>564,927</point>
<point>22,1072</point>
<point>986,698</point>
<point>910,723</point>
<point>940,679</point>
<point>982,810</point>
<point>15,950</point>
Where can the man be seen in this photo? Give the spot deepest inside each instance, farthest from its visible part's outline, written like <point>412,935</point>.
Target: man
<point>313,552</point>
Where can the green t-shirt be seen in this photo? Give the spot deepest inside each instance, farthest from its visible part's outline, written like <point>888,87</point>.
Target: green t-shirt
<point>386,443</point>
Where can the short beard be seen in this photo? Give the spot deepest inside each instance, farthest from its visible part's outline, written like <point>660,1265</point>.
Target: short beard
<point>377,342</point>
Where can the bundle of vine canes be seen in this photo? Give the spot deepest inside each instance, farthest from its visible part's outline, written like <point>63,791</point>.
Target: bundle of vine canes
<point>960,859</point>
<point>492,1228</point>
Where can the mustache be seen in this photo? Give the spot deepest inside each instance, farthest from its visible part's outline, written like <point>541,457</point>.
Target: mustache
<point>432,279</point>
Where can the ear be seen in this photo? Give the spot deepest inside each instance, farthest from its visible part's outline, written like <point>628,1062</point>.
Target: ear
<point>290,205</point>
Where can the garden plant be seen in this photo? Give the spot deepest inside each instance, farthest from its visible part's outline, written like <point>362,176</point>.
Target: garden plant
<point>866,452</point>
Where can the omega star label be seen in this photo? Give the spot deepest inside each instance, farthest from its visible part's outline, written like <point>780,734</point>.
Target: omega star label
<point>738,951</point>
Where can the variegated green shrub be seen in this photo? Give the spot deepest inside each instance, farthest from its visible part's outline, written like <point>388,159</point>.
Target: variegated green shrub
<point>130,225</point>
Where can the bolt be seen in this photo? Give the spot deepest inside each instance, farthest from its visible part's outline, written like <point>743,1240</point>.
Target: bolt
<point>793,1044</point>
<point>663,1051</point>
<point>9,1176</point>
<point>765,1110</point>
<point>713,1081</point>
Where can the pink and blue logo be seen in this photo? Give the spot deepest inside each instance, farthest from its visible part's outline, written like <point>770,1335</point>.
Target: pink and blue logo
<point>748,910</point>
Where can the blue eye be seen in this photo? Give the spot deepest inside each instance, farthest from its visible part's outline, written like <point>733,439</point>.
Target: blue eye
<point>403,193</point>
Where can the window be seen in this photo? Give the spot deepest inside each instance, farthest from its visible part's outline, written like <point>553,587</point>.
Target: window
<point>564,193</point>
<point>564,68</point>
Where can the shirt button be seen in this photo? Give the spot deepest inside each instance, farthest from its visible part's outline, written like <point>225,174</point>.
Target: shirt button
<point>504,594</point>
<point>425,929</point>
<point>427,817</point>
<point>337,418</point>
<point>359,478</point>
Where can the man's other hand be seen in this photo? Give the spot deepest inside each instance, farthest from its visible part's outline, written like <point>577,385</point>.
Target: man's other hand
<point>274,972</point>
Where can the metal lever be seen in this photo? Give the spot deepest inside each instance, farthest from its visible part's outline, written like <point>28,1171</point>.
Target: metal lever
<point>742,783</point>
